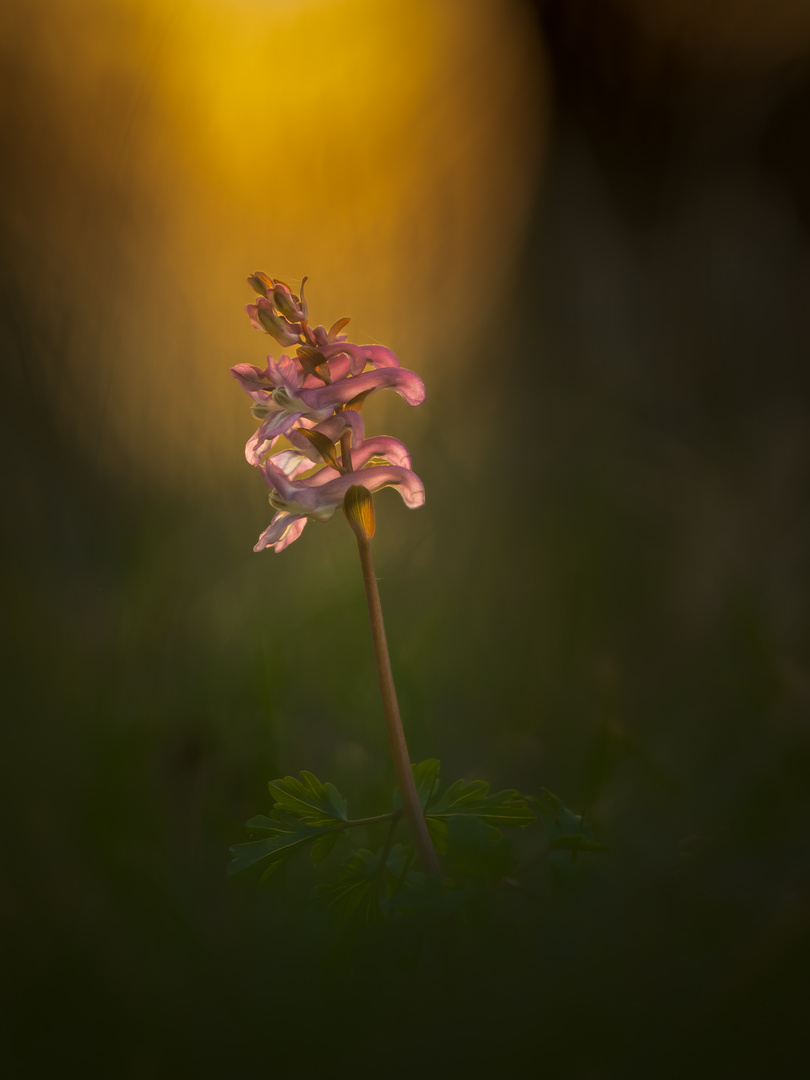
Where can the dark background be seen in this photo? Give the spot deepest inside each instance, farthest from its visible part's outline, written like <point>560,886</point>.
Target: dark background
<point>606,594</point>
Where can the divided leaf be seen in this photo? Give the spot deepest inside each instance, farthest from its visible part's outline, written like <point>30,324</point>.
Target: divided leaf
<point>364,877</point>
<point>315,803</point>
<point>287,833</point>
<point>502,809</point>
<point>305,811</point>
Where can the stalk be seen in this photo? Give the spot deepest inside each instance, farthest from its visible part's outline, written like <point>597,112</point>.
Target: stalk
<point>393,722</point>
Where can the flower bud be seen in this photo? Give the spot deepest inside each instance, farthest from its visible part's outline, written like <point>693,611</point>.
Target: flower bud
<point>283,302</point>
<point>358,506</point>
<point>276,327</point>
<point>260,283</point>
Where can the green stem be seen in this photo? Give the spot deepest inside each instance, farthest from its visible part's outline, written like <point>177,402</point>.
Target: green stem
<point>393,816</point>
<point>396,735</point>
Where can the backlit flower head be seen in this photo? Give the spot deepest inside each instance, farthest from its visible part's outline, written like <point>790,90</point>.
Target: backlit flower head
<point>312,400</point>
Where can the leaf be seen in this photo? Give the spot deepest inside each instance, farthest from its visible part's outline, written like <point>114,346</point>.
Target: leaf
<point>356,897</point>
<point>315,803</point>
<point>287,833</point>
<point>503,809</point>
<point>261,823</point>
<point>426,778</point>
<point>305,811</point>
<point>323,845</point>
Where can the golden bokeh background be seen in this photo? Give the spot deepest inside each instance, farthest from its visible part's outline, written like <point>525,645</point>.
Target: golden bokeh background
<point>390,151</point>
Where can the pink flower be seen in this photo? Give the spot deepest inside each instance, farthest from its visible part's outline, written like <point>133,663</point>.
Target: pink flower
<point>313,400</point>
<point>320,496</point>
<point>283,394</point>
<point>278,311</point>
<point>275,393</point>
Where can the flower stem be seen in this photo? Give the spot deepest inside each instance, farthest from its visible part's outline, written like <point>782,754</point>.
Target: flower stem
<point>396,736</point>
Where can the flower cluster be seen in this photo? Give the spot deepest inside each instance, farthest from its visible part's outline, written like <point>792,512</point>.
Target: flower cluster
<point>313,401</point>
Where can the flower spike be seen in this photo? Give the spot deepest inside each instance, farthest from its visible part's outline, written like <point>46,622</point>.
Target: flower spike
<point>312,401</point>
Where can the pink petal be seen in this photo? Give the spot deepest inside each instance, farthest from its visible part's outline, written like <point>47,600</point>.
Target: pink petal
<point>408,385</point>
<point>291,463</point>
<point>250,377</point>
<point>380,357</point>
<point>314,499</point>
<point>392,450</point>
<point>265,437</point>
<point>355,353</point>
<point>361,355</point>
<point>282,530</point>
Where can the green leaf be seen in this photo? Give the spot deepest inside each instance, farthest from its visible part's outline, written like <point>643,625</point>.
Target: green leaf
<point>305,811</point>
<point>357,896</point>
<point>426,778</point>
<point>286,834</point>
<point>310,800</point>
<point>503,809</point>
<point>261,823</point>
<point>437,828</point>
<point>323,845</point>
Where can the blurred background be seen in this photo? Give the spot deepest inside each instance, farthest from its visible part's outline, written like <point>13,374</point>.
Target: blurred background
<point>586,225</point>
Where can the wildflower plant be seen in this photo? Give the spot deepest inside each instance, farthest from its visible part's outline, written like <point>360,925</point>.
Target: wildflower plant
<point>313,454</point>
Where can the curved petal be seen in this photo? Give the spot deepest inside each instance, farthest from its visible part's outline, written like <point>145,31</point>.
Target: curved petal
<point>292,463</point>
<point>408,385</point>
<point>316,498</point>
<point>355,353</point>
<point>250,377</point>
<point>377,355</point>
<point>384,446</point>
<point>265,437</point>
<point>292,533</point>
<point>380,357</point>
<point>317,479</point>
<point>282,530</point>
<point>406,482</point>
<point>284,372</point>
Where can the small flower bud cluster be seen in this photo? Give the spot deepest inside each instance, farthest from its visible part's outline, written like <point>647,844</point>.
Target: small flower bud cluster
<point>313,400</point>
